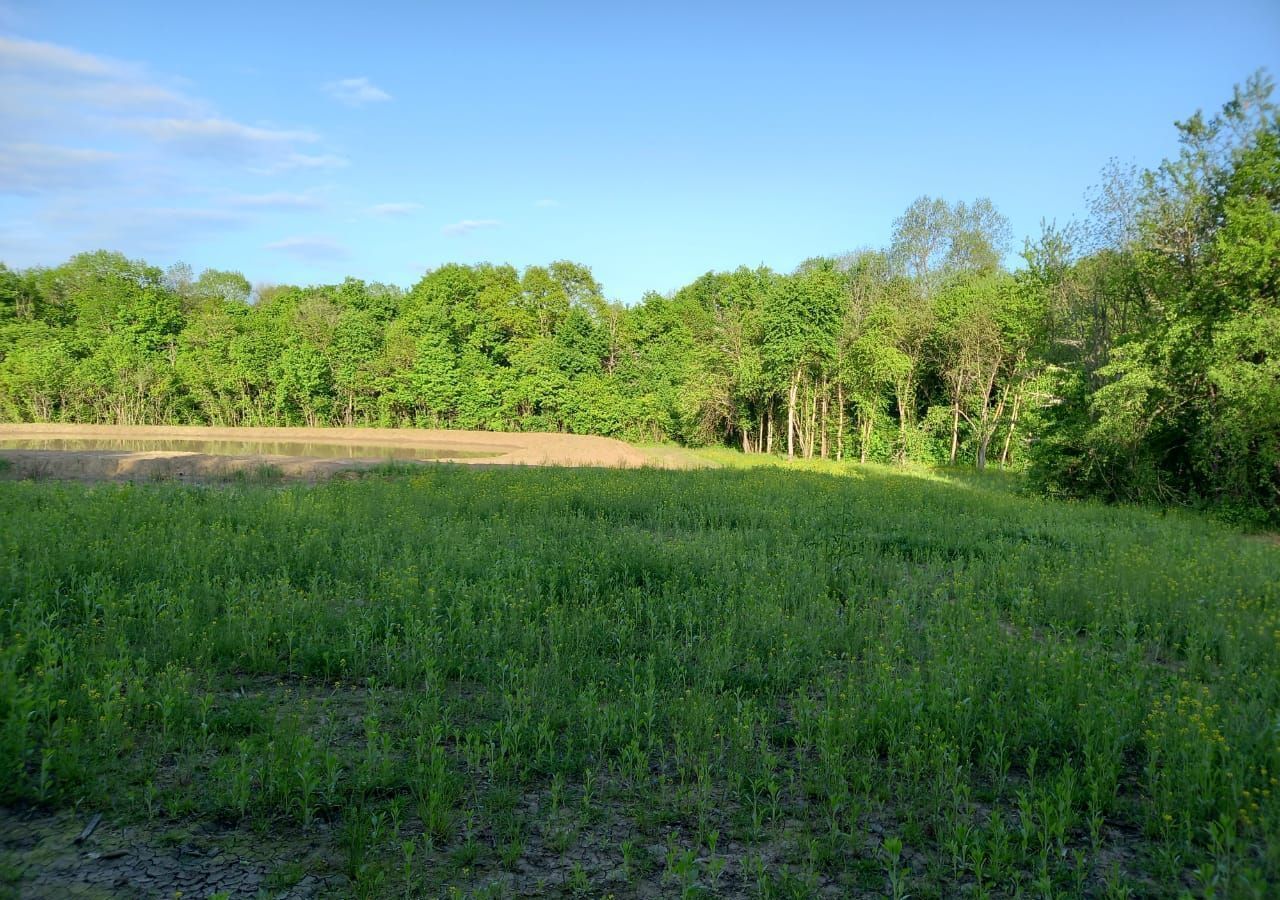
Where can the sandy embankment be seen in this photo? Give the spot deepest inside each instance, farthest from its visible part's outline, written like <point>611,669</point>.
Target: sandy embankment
<point>500,448</point>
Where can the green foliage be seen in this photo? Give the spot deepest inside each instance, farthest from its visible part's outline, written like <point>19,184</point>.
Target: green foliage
<point>1173,395</point>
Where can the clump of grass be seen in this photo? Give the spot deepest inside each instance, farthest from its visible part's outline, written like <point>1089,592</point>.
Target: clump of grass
<point>259,473</point>
<point>807,682</point>
<point>389,469</point>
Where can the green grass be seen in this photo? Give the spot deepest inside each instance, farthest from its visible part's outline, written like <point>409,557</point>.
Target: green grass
<point>714,682</point>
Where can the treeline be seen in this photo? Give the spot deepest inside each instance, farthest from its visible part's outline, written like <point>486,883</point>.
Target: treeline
<point>843,357</point>
<point>1136,356</point>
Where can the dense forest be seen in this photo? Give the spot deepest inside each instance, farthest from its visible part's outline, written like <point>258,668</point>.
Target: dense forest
<point>1135,356</point>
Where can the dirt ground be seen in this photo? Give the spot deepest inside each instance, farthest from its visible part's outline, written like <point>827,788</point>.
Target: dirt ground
<point>498,448</point>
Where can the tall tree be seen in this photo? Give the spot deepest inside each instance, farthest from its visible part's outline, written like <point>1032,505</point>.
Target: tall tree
<point>801,319</point>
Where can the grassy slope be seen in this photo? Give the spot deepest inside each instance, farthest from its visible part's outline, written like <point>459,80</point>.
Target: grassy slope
<point>720,680</point>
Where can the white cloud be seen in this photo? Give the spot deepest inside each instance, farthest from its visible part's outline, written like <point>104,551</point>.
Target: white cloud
<point>466,226</point>
<point>112,153</point>
<point>17,54</point>
<point>140,229</point>
<point>394,209</point>
<point>218,129</point>
<point>126,95</point>
<point>164,217</point>
<point>304,161</point>
<point>218,138</point>
<point>274,200</point>
<point>50,93</point>
<point>546,203</point>
<point>30,168</point>
<point>310,248</point>
<point>38,78</point>
<point>356,91</point>
<point>158,216</point>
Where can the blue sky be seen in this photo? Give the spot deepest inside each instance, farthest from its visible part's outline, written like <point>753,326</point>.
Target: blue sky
<point>653,142</point>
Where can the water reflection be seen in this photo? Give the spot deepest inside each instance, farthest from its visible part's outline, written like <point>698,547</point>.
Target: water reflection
<point>243,448</point>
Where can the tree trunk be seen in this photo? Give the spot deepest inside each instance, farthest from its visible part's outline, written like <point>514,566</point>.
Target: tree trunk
<point>839,421</point>
<point>768,415</point>
<point>791,415</point>
<point>801,414</point>
<point>955,423</point>
<point>903,388</point>
<point>811,405</point>
<point>1013,424</point>
<point>822,419</point>
<point>990,420</point>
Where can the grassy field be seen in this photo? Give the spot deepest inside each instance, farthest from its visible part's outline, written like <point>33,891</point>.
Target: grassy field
<point>720,682</point>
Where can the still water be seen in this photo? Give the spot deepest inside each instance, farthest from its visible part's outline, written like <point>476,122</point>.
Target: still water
<point>243,448</point>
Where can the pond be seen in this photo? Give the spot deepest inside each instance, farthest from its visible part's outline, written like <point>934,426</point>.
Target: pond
<point>312,449</point>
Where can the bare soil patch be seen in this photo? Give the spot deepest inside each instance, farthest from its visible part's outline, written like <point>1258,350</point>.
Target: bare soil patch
<point>45,860</point>
<point>465,447</point>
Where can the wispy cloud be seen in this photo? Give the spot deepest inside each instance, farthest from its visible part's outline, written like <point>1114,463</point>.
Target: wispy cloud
<point>218,138</point>
<point>312,249</point>
<point>546,203</point>
<point>356,91</point>
<point>164,217</point>
<point>31,168</point>
<point>110,152</point>
<point>17,54</point>
<point>275,200</point>
<point>139,228</point>
<point>466,226</point>
<point>39,80</point>
<point>49,91</point>
<point>294,161</point>
<point>394,209</point>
